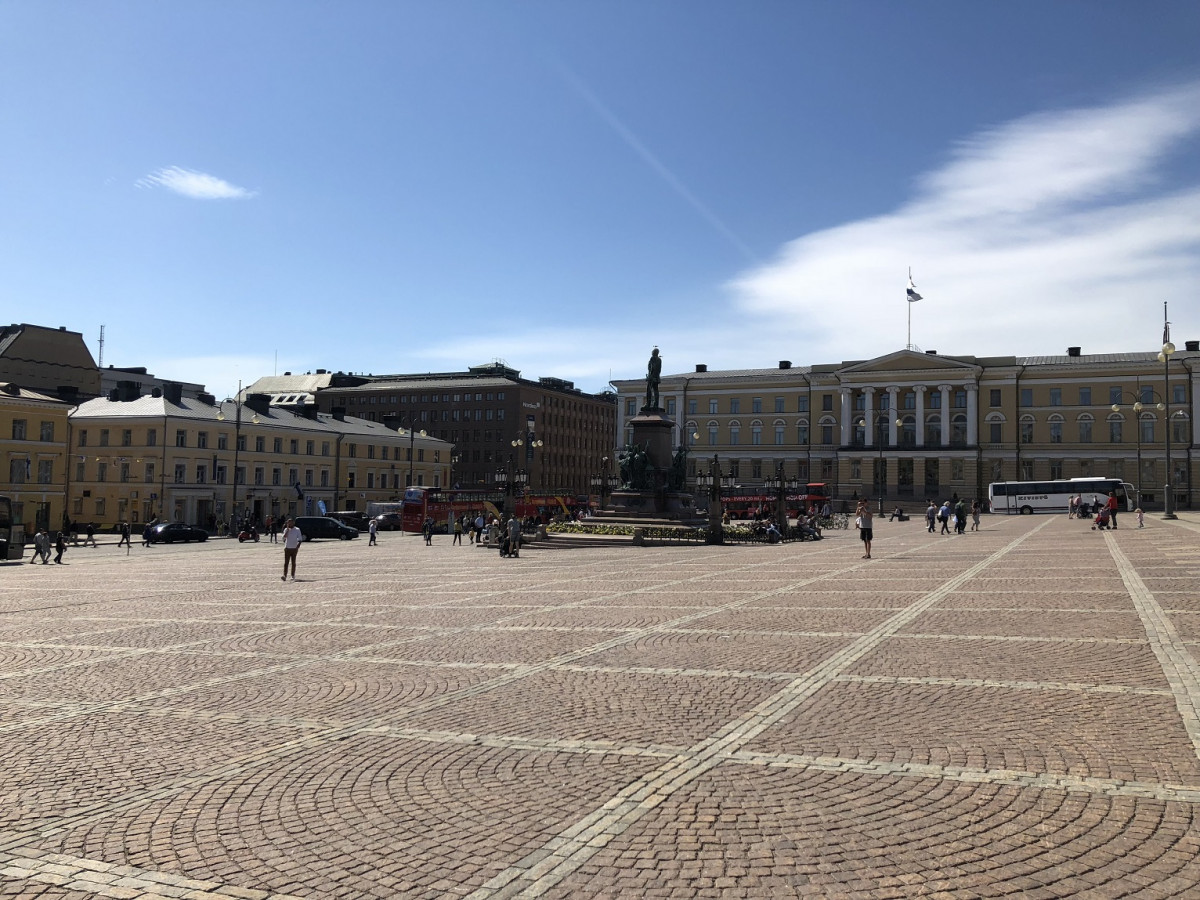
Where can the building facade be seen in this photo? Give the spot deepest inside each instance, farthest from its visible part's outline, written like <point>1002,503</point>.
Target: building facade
<point>174,458</point>
<point>33,428</point>
<point>497,421</point>
<point>51,361</point>
<point>912,426</point>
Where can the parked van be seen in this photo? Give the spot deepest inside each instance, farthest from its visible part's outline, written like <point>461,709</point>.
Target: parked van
<point>312,527</point>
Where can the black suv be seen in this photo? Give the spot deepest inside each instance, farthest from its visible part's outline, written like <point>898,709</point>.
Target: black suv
<point>324,527</point>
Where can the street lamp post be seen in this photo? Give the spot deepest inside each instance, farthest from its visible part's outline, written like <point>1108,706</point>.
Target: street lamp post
<point>714,480</point>
<point>529,440</point>
<point>881,418</point>
<point>1137,407</point>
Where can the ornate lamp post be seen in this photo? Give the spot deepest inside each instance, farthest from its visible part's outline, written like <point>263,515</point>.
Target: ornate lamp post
<point>881,418</point>
<point>529,440</point>
<point>1137,407</point>
<point>714,480</point>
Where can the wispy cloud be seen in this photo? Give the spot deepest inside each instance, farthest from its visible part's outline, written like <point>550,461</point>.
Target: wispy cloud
<point>1054,229</point>
<point>197,185</point>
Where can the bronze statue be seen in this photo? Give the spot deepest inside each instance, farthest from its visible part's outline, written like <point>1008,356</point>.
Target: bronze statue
<point>653,377</point>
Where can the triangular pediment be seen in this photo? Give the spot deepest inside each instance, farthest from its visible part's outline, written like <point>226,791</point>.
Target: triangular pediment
<point>911,361</point>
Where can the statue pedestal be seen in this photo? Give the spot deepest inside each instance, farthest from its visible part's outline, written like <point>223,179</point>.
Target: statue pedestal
<point>653,503</point>
<point>652,430</point>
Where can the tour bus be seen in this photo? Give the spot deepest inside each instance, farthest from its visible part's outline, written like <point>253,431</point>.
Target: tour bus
<point>749,503</point>
<point>1027,497</point>
<point>12,537</point>
<point>443,505</point>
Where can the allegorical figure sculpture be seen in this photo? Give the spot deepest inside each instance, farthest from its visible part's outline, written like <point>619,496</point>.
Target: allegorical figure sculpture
<point>653,377</point>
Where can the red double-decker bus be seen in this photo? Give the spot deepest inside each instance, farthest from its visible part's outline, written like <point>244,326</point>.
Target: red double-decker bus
<point>752,503</point>
<point>444,505</point>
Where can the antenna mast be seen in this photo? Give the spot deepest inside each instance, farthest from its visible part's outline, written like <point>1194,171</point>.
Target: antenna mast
<point>100,363</point>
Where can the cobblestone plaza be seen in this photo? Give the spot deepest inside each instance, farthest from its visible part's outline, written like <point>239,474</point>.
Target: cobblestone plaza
<point>1010,712</point>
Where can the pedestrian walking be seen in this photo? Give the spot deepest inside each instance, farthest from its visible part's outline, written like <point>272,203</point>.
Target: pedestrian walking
<point>960,517</point>
<point>514,536</point>
<point>291,546</point>
<point>1141,517</point>
<point>39,548</point>
<point>124,536</point>
<point>457,532</point>
<point>146,532</point>
<point>372,528</point>
<point>60,546</point>
<point>479,523</point>
<point>865,530</point>
<point>975,516</point>
<point>1112,508</point>
<point>427,530</point>
<point>91,535</point>
<point>275,530</point>
<point>931,516</point>
<point>944,516</point>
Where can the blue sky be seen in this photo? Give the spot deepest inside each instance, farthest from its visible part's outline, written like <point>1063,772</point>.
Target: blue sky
<point>234,189</point>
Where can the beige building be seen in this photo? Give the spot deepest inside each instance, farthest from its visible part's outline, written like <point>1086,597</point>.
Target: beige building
<point>52,361</point>
<point>911,425</point>
<point>196,460</point>
<point>33,435</point>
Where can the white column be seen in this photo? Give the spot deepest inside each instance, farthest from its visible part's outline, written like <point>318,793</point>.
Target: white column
<point>846,432</point>
<point>868,416</point>
<point>893,414</point>
<point>972,415</point>
<point>945,389</point>
<point>920,389</point>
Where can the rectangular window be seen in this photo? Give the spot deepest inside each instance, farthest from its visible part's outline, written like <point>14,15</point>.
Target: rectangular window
<point>1114,395</point>
<point>1027,432</point>
<point>201,474</point>
<point>691,407</point>
<point>1027,396</point>
<point>712,435</point>
<point>1147,394</point>
<point>670,406</point>
<point>259,475</point>
<point>324,478</point>
<point>1056,396</point>
<point>223,442</point>
<point>756,406</point>
<point>45,471</point>
<point>308,477</point>
<point>47,431</point>
<point>124,471</point>
<point>1085,396</point>
<point>219,474</point>
<point>202,440</point>
<point>1056,469</point>
<point>960,399</point>
<point>735,406</point>
<point>151,437</point>
<point>1026,470</point>
<point>1178,394</point>
<point>733,436</point>
<point>310,448</point>
<point>802,434</point>
<point>779,402</point>
<point>103,437</point>
<point>295,446</point>
<point>631,407</point>
<point>994,397</point>
<point>856,470</point>
<point>956,470</point>
<point>18,431</point>
<point>260,445</point>
<point>80,471</point>
<point>996,432</point>
<point>712,407</point>
<point>778,435</point>
<point>181,438</point>
<point>276,476</point>
<point>180,473</point>
<point>82,437</point>
<point>277,445</point>
<point>324,448</point>
<point>149,473</point>
<point>826,434</point>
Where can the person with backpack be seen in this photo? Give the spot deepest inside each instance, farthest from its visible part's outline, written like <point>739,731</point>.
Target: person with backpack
<point>944,516</point>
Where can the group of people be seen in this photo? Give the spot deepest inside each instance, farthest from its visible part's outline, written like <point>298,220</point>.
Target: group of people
<point>43,543</point>
<point>1102,512</point>
<point>952,515</point>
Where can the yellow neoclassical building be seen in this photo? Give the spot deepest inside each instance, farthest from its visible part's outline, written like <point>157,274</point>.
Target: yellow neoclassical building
<point>134,458</point>
<point>33,435</point>
<point>912,425</point>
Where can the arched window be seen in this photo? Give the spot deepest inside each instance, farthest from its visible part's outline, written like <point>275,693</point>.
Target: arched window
<point>1181,425</point>
<point>802,436</point>
<point>995,424</point>
<point>827,425</point>
<point>1056,428</point>
<point>908,431</point>
<point>1085,422</point>
<point>1026,432</point>
<point>713,434</point>
<point>1116,428</point>
<point>756,433</point>
<point>779,425</point>
<point>958,430</point>
<point>735,432</point>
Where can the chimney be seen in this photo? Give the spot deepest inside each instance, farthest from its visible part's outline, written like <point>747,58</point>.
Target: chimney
<point>156,392</point>
<point>173,391</point>
<point>310,411</point>
<point>126,391</point>
<point>701,367</point>
<point>206,398</point>
<point>931,353</point>
<point>785,364</point>
<point>259,403</point>
<point>1191,345</point>
<point>1073,351</point>
<point>338,413</point>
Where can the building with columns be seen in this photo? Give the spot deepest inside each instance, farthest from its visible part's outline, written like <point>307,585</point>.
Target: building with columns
<point>911,426</point>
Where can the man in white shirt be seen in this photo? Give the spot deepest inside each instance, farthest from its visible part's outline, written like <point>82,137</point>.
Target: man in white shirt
<point>291,546</point>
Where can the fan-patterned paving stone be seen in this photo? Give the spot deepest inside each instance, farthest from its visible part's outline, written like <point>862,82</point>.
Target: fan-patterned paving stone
<point>1127,736</point>
<point>123,675</point>
<point>1187,624</point>
<point>372,816</point>
<point>16,661</point>
<point>329,692</point>
<point>1074,625</point>
<point>1070,597</point>
<point>796,619</point>
<point>501,645</point>
<point>602,615</point>
<point>55,769</point>
<point>642,708</point>
<point>484,613</point>
<point>768,653</point>
<point>1015,659</point>
<point>151,636</point>
<point>761,832</point>
<point>815,596</point>
<point>311,639</point>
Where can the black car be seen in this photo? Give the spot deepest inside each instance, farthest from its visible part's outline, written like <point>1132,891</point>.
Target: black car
<point>170,532</point>
<point>354,519</point>
<point>388,521</point>
<point>324,527</point>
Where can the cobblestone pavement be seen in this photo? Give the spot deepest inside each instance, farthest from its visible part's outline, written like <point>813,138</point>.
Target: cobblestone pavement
<point>1014,712</point>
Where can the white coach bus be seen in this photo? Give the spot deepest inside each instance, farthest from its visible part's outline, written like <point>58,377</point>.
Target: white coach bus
<point>1028,497</point>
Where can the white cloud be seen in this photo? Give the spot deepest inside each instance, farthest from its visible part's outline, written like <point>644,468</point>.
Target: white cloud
<point>196,185</point>
<point>1052,230</point>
